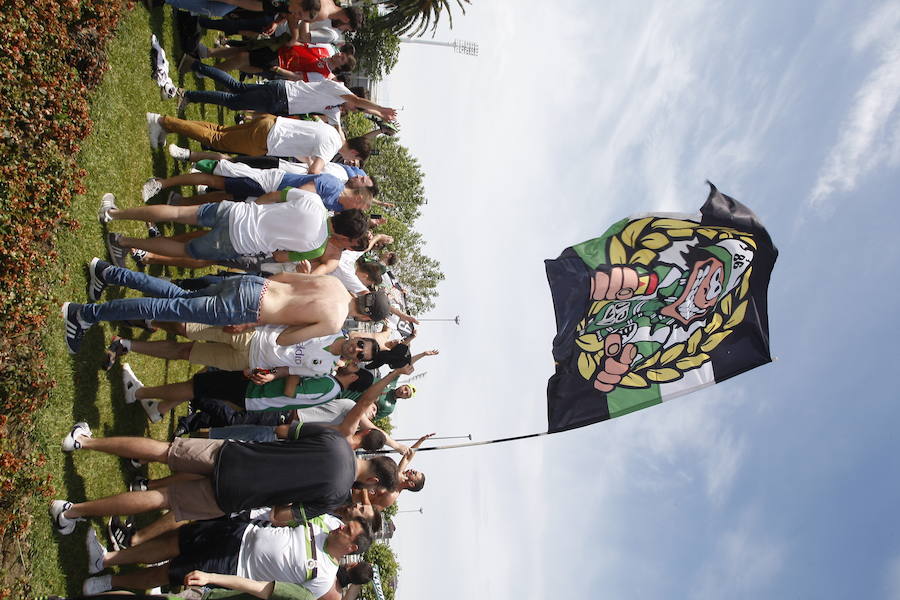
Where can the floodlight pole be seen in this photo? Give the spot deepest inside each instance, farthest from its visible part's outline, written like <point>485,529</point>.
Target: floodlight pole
<point>453,320</point>
<point>463,47</point>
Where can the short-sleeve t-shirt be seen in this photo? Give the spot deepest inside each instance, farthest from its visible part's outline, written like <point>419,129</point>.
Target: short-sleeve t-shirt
<point>346,272</point>
<point>328,187</point>
<point>281,554</point>
<point>341,171</point>
<point>305,58</point>
<point>330,413</point>
<point>316,97</point>
<point>292,137</point>
<point>308,358</point>
<point>312,391</point>
<point>315,470</point>
<point>299,223</point>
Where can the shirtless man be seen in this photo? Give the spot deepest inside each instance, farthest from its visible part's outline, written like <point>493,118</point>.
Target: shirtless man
<point>312,305</point>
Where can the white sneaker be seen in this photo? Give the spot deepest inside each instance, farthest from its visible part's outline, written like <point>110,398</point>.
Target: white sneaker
<point>107,203</point>
<point>179,153</point>
<point>63,524</point>
<point>95,551</point>
<point>155,130</point>
<point>96,585</point>
<point>70,442</point>
<point>151,407</point>
<point>151,188</point>
<point>131,383</point>
<point>201,189</point>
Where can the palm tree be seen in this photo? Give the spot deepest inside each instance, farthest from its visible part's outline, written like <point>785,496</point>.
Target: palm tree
<point>413,17</point>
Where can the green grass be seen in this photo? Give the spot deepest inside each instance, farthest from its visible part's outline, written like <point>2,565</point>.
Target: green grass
<point>118,159</point>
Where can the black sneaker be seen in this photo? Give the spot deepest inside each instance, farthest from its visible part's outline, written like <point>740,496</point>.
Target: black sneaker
<point>115,349</point>
<point>153,231</point>
<point>138,256</point>
<point>75,327</point>
<point>96,284</point>
<point>117,252</point>
<point>120,532</point>
<point>139,484</point>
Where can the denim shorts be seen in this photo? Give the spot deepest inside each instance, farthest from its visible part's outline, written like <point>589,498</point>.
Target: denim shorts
<point>216,244</point>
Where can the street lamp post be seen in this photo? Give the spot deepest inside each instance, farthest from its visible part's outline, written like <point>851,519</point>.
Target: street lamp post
<point>454,320</point>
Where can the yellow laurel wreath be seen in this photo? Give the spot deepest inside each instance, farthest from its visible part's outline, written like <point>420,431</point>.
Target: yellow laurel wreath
<point>640,243</point>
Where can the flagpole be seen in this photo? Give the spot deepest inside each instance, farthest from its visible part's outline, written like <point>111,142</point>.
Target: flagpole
<point>471,444</point>
<point>446,437</point>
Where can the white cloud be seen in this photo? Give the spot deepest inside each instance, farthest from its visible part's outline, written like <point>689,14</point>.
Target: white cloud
<point>892,579</point>
<point>867,138</point>
<point>745,561</point>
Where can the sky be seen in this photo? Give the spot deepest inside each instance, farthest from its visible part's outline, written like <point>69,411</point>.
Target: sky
<point>778,483</point>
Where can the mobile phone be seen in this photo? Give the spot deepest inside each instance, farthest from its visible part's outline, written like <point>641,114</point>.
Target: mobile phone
<point>375,217</point>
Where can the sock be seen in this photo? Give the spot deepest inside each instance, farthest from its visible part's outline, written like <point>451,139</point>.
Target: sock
<point>125,343</point>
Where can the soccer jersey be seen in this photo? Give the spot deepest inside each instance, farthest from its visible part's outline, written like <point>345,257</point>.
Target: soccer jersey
<point>311,391</point>
<point>309,358</point>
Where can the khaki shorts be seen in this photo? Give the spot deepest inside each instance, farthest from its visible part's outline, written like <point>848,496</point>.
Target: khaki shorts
<point>193,499</point>
<point>226,351</point>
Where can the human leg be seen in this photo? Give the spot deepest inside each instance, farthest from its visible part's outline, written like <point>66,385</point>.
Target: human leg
<point>157,213</point>
<point>157,549</point>
<point>126,503</point>
<point>234,301</point>
<point>161,526</point>
<point>143,579</point>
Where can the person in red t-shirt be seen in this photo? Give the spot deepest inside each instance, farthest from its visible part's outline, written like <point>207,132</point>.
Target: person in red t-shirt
<point>294,60</point>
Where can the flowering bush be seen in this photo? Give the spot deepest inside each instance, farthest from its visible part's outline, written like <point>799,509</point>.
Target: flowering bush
<point>53,52</point>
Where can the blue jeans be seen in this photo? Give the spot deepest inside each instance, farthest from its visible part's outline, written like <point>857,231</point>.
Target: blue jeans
<point>233,26</point>
<point>233,301</point>
<point>260,97</point>
<point>210,8</point>
<point>215,244</point>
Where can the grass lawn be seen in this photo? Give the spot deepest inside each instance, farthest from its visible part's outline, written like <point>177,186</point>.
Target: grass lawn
<point>118,159</point>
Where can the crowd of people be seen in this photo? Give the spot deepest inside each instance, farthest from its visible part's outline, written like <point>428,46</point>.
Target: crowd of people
<point>276,474</point>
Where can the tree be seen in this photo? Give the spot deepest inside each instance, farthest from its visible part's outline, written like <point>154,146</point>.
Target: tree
<point>400,180</point>
<point>413,17</point>
<point>377,49</point>
<point>382,555</point>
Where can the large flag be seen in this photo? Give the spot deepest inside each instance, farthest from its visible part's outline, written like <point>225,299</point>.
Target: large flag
<point>658,306</point>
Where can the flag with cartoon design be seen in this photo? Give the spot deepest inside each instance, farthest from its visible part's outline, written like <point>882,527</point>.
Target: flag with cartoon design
<point>658,306</point>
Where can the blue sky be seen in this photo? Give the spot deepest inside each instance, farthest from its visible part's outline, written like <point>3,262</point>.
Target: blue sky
<point>779,483</point>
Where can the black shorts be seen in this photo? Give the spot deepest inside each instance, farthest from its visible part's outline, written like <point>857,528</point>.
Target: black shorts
<point>221,385</point>
<point>212,546</point>
<point>264,58</point>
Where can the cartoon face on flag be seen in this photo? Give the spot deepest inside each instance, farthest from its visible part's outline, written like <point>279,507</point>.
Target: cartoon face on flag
<point>657,306</point>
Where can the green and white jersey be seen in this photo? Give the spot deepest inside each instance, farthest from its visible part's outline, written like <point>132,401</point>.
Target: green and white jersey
<point>312,391</point>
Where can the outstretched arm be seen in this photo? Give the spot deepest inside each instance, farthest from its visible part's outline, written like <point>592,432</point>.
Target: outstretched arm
<point>411,453</point>
<point>423,355</point>
<point>351,422</point>
<point>260,589</point>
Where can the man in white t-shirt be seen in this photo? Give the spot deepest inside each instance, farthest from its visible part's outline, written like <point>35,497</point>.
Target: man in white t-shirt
<point>254,350</point>
<point>280,97</point>
<point>266,135</point>
<point>292,220</point>
<point>307,554</point>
